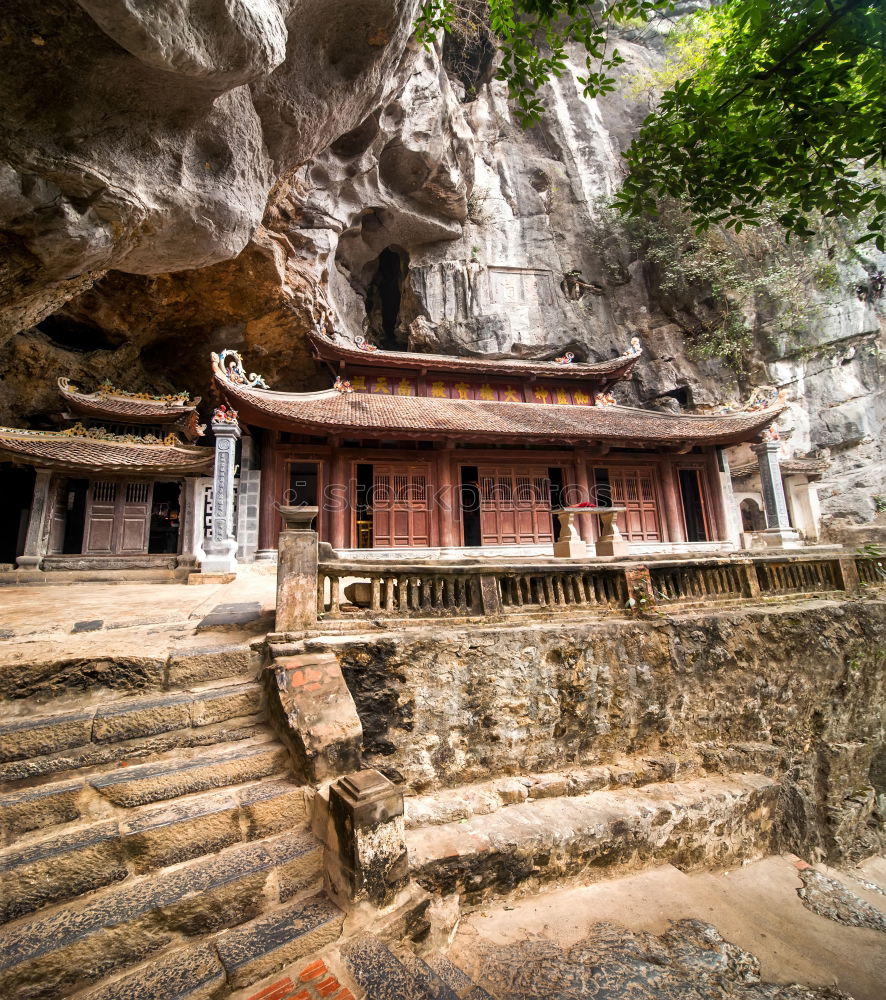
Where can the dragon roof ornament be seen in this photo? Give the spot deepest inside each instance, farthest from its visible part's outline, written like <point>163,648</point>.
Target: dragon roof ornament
<point>229,365</point>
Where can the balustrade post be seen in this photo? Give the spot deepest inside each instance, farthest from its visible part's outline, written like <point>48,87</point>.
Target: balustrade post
<point>847,574</point>
<point>297,571</point>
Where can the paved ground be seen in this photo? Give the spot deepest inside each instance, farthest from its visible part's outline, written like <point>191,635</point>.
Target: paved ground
<point>83,619</point>
<point>618,938</point>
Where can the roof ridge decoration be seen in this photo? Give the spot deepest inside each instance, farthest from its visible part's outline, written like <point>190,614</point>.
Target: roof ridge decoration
<point>612,369</point>
<point>107,388</point>
<point>229,365</point>
<point>364,345</point>
<point>761,398</point>
<point>79,431</point>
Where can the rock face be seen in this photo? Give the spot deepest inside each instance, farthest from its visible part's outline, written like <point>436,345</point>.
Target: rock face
<point>146,138</point>
<point>792,693</point>
<point>415,216</point>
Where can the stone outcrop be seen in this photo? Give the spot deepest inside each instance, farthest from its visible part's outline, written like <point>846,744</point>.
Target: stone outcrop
<point>146,138</point>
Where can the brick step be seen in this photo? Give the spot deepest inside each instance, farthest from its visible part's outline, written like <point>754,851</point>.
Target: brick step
<point>715,820</point>
<point>75,945</point>
<point>42,744</point>
<point>132,842</point>
<point>387,974</point>
<point>449,805</point>
<point>48,802</point>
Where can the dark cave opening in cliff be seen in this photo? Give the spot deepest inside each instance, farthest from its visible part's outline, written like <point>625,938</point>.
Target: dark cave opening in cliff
<point>77,336</point>
<point>384,295</point>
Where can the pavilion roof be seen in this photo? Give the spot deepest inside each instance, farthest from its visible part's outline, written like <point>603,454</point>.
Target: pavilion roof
<point>369,415</point>
<point>130,408</point>
<point>83,453</point>
<point>606,371</point>
<point>789,467</point>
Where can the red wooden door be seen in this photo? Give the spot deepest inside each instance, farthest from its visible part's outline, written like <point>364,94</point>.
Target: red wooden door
<point>635,490</point>
<point>401,515</point>
<point>515,506</point>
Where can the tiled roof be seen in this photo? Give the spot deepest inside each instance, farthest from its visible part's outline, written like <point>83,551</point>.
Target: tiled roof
<point>56,450</point>
<point>362,414</point>
<point>788,466</point>
<point>126,409</point>
<point>608,371</point>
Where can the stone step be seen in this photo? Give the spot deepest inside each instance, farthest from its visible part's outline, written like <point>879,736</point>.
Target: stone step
<point>39,743</point>
<point>387,974</point>
<point>275,939</point>
<point>67,679</point>
<point>210,768</point>
<point>74,945</point>
<point>212,968</point>
<point>450,805</point>
<point>714,820</point>
<point>68,864</point>
<point>38,807</point>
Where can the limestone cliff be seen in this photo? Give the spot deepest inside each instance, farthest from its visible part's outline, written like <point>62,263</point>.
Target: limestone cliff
<point>406,202</point>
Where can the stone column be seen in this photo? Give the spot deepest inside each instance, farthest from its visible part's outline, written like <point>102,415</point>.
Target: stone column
<point>730,506</point>
<point>297,570</point>
<point>366,856</point>
<point>41,509</point>
<point>220,547</point>
<point>778,528</point>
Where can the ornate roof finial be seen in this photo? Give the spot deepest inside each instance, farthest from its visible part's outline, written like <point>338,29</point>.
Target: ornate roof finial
<point>229,364</point>
<point>364,345</point>
<point>565,359</point>
<point>224,415</point>
<point>634,350</point>
<point>341,385</point>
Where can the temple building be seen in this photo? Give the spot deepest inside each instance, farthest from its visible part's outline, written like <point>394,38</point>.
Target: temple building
<point>111,490</point>
<point>429,452</point>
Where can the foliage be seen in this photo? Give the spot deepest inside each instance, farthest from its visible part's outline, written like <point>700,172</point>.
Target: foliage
<point>788,106</point>
<point>773,102</point>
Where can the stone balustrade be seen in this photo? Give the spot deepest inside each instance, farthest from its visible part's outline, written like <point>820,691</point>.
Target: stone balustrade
<point>424,591</point>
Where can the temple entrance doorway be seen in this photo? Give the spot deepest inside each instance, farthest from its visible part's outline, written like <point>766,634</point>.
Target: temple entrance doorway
<point>633,489</point>
<point>401,515</point>
<point>163,537</point>
<point>15,506</point>
<point>694,511</point>
<point>470,506</point>
<point>515,506</point>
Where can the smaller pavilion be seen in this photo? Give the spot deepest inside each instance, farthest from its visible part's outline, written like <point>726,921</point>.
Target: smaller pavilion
<point>110,488</point>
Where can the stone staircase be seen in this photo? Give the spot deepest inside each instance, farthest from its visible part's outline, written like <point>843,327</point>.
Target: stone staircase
<point>519,833</point>
<point>156,845</point>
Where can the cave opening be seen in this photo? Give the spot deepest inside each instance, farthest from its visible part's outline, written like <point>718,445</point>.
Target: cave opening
<point>76,336</point>
<point>384,298</point>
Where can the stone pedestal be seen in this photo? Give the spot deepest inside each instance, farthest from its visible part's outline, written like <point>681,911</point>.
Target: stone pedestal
<point>35,540</point>
<point>220,546</point>
<point>367,859</point>
<point>297,570</point>
<point>570,544</point>
<point>611,541</point>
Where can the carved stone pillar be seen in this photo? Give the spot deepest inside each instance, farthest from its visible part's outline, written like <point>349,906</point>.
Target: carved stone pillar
<point>41,506</point>
<point>220,546</point>
<point>778,527</point>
